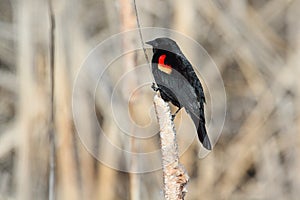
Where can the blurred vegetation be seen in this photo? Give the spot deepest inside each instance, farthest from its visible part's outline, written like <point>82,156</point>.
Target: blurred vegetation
<point>256,46</point>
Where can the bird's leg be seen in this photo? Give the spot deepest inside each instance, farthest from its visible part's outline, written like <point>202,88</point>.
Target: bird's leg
<point>154,87</point>
<point>174,115</point>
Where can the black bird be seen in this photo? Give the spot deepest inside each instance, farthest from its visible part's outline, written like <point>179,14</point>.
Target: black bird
<point>178,83</point>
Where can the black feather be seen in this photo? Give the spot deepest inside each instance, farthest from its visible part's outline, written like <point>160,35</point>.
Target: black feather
<point>181,87</point>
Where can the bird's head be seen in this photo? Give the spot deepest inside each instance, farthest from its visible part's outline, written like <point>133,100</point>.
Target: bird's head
<point>164,43</point>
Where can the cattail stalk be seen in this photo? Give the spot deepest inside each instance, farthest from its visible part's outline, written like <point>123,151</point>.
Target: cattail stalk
<point>174,175</point>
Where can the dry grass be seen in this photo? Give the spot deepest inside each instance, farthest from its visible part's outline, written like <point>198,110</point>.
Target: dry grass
<point>256,46</point>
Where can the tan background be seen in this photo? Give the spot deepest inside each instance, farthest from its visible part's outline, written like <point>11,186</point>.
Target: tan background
<point>256,46</point>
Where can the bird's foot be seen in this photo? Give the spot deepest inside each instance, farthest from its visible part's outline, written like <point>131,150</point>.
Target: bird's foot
<point>154,87</point>
<point>173,117</point>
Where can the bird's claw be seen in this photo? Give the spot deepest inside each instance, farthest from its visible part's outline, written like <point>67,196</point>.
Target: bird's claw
<point>173,117</point>
<point>154,87</point>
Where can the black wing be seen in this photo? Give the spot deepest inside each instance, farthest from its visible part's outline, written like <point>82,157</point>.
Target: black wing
<point>188,98</point>
<point>196,112</point>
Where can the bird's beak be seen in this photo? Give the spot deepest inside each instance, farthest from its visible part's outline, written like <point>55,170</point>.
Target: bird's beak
<point>152,43</point>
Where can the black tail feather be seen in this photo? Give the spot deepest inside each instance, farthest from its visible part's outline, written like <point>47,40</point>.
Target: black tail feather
<point>203,137</point>
<point>201,130</point>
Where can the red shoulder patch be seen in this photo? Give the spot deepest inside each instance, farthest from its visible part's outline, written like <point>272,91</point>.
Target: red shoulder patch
<point>161,61</point>
<point>162,66</point>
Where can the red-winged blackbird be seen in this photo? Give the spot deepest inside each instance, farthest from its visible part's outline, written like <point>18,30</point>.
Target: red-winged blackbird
<point>177,82</point>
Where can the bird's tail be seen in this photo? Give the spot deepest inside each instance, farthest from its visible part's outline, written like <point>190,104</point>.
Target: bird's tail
<point>201,130</point>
